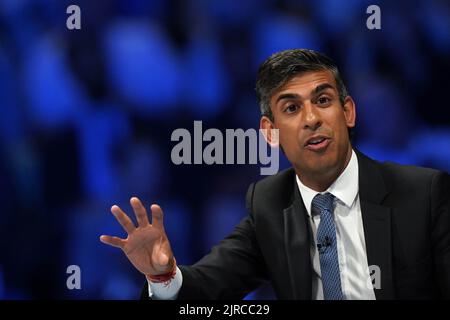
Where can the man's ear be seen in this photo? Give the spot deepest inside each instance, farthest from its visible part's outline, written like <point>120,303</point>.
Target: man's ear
<point>269,131</point>
<point>349,112</point>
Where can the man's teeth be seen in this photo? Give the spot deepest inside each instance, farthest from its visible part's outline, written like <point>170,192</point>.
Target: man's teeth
<point>317,141</point>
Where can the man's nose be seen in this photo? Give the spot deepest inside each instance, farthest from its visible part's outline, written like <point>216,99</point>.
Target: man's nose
<point>311,116</point>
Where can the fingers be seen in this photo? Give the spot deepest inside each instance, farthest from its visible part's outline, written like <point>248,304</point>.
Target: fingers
<point>113,241</point>
<point>123,219</point>
<point>139,211</point>
<point>157,217</point>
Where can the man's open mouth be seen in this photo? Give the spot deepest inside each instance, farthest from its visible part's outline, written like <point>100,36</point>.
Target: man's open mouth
<point>317,143</point>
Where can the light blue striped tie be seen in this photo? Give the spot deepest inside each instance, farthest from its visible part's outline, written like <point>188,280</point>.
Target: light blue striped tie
<point>326,243</point>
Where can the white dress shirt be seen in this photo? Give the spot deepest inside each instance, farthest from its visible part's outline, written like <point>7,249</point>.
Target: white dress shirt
<point>161,291</point>
<point>351,246</point>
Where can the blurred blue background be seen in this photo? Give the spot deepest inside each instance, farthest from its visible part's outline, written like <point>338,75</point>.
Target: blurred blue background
<point>87,115</point>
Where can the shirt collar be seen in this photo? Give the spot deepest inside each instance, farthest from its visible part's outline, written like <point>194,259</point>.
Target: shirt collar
<point>345,187</point>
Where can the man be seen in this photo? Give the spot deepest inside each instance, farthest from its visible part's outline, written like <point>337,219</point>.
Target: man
<point>337,225</point>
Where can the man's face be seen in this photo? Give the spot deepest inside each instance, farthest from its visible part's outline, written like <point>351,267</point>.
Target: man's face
<point>313,124</point>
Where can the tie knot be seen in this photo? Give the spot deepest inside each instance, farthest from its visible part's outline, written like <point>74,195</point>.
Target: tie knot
<point>323,201</point>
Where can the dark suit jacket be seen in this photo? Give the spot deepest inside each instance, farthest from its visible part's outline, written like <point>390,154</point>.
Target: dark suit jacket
<point>406,218</point>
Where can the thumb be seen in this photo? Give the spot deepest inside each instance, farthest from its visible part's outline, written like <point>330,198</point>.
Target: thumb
<point>164,262</point>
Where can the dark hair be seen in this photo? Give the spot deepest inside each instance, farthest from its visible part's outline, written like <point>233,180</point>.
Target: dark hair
<point>282,66</point>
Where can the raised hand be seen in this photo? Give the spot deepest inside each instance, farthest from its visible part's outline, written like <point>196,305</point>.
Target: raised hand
<point>146,246</point>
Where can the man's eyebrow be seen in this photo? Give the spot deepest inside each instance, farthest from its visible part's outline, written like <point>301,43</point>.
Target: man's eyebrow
<point>288,96</point>
<point>296,96</point>
<point>320,88</point>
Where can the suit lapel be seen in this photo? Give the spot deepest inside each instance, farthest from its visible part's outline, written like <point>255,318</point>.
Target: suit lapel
<point>377,223</point>
<point>297,246</point>
<point>377,232</point>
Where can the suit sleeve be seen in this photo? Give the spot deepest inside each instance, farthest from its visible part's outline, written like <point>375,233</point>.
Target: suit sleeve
<point>440,233</point>
<point>231,270</point>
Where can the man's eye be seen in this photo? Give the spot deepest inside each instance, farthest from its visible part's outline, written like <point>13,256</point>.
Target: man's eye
<point>323,100</point>
<point>291,108</point>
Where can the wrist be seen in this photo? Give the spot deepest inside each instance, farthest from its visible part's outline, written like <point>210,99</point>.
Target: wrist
<point>165,277</point>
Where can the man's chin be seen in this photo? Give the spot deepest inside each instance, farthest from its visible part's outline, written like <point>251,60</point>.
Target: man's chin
<point>318,168</point>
